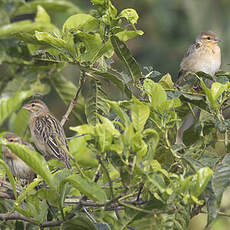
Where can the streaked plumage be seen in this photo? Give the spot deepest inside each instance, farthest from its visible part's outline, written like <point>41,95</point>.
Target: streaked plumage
<point>18,167</point>
<point>47,132</point>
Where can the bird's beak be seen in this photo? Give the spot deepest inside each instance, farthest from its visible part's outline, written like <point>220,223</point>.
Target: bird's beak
<point>27,107</point>
<point>218,39</point>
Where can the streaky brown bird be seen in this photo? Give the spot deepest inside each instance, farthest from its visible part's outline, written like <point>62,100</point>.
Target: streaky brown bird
<point>47,132</point>
<point>17,166</point>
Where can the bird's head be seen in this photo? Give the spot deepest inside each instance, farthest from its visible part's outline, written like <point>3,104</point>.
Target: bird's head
<point>208,37</point>
<point>11,137</point>
<point>36,107</point>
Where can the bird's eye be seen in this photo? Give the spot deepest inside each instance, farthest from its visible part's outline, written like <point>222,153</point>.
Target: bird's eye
<point>11,140</point>
<point>32,105</point>
<point>208,38</point>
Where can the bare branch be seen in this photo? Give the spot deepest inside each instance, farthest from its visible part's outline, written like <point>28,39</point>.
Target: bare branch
<point>16,216</point>
<point>74,100</point>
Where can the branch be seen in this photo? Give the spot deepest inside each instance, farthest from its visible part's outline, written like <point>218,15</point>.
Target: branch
<point>74,100</point>
<point>107,175</point>
<point>16,216</point>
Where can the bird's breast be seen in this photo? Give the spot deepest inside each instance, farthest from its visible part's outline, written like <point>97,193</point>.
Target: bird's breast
<point>205,59</point>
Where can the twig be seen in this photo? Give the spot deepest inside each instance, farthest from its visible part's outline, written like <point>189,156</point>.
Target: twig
<point>89,215</point>
<point>16,216</point>
<point>74,100</point>
<point>107,174</point>
<point>140,191</point>
<point>97,175</point>
<point>218,213</point>
<point>70,138</point>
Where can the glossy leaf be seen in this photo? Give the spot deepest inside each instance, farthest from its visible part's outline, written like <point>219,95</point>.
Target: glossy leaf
<point>10,177</point>
<point>126,35</point>
<point>202,177</point>
<point>217,89</point>
<point>116,107</point>
<point>42,15</point>
<point>87,187</point>
<point>130,14</point>
<point>125,56</point>
<point>79,223</point>
<point>51,5</point>
<point>24,27</point>
<point>84,22</point>
<point>10,104</point>
<point>89,46</point>
<point>157,94</point>
<point>50,39</point>
<point>221,176</point>
<point>140,113</point>
<point>94,100</point>
<point>34,160</point>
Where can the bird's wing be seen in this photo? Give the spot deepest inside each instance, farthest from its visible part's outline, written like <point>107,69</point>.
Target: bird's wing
<point>182,78</point>
<point>51,133</point>
<point>196,45</point>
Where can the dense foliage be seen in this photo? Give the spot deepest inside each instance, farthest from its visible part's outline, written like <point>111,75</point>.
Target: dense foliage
<point>128,173</point>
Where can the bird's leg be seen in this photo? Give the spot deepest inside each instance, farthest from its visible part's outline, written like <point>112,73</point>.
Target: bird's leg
<point>187,123</point>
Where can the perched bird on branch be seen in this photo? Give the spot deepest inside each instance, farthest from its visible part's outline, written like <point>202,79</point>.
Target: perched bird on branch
<point>203,55</point>
<point>47,132</point>
<point>17,166</point>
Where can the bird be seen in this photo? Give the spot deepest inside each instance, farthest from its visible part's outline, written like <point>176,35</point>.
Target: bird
<point>47,132</point>
<point>18,167</point>
<point>204,55</point>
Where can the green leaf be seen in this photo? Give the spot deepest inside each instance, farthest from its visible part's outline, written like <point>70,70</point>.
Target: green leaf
<point>217,89</point>
<point>18,123</point>
<point>67,90</point>
<point>117,108</point>
<point>166,82</point>
<point>157,94</point>
<point>140,113</point>
<point>51,5</point>
<point>34,160</point>
<point>10,177</point>
<point>42,15</point>
<point>105,50</point>
<point>105,133</point>
<point>10,104</point>
<point>130,14</point>
<point>125,56</point>
<point>25,26</point>
<point>88,46</point>
<point>221,177</point>
<point>126,35</point>
<point>79,223</point>
<point>78,146</point>
<point>51,40</point>
<point>110,76</point>
<point>87,187</point>
<point>202,177</point>
<point>94,100</point>
<point>84,22</point>
<point>98,2</point>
